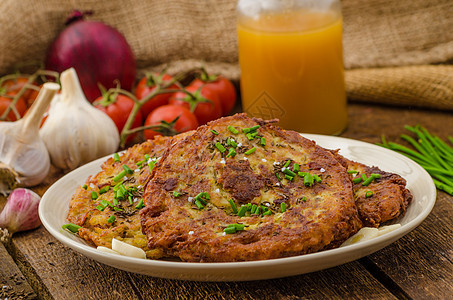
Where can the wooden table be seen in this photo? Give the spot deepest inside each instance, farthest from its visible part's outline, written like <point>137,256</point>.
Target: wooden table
<point>418,266</point>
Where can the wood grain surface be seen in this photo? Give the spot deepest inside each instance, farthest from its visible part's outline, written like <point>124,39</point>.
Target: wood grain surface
<point>418,266</point>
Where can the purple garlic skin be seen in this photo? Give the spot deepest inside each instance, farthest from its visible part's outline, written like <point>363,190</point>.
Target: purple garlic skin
<point>21,211</point>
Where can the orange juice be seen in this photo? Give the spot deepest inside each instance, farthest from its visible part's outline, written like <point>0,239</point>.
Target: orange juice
<point>292,69</point>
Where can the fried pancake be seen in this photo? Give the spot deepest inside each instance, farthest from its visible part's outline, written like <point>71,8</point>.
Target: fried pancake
<point>383,199</point>
<point>221,195</point>
<point>93,214</point>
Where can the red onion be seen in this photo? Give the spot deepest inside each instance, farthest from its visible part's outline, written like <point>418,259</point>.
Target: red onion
<point>98,52</point>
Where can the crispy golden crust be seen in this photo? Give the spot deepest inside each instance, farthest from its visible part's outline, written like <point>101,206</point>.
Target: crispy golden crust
<point>317,217</point>
<point>384,199</point>
<point>126,227</point>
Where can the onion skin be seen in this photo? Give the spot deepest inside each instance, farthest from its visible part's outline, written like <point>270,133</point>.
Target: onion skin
<point>98,52</point>
<point>21,211</point>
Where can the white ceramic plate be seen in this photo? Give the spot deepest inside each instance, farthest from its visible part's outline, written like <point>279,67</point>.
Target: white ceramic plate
<point>55,203</point>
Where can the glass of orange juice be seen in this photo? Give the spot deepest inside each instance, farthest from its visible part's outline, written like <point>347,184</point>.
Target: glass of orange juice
<point>291,59</point>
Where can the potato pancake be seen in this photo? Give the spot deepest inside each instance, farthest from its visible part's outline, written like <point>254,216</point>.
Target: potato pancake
<point>240,189</point>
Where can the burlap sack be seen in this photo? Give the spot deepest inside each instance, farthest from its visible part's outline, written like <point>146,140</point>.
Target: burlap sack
<point>391,47</point>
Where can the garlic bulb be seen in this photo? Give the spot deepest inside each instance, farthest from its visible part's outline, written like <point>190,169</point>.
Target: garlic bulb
<point>24,159</point>
<point>75,132</point>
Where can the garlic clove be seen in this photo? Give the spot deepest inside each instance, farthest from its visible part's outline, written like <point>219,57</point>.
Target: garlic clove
<point>75,132</point>
<point>364,234</point>
<point>23,155</point>
<point>107,250</point>
<point>21,211</point>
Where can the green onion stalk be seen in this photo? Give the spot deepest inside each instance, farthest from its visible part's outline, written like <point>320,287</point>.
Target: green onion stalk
<point>430,152</point>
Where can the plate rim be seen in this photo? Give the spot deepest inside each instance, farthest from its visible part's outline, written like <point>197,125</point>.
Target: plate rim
<point>148,265</point>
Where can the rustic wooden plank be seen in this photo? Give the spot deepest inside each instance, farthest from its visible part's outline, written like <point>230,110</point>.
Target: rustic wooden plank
<point>57,272</point>
<point>348,281</point>
<point>65,274</point>
<point>421,263</point>
<point>13,284</point>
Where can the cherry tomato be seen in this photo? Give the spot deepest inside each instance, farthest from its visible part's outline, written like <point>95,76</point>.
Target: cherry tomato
<point>165,117</point>
<point>118,107</point>
<point>16,84</point>
<point>147,85</point>
<point>20,106</point>
<point>204,103</point>
<point>224,89</point>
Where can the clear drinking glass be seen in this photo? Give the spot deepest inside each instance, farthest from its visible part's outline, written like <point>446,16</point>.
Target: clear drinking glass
<point>291,59</point>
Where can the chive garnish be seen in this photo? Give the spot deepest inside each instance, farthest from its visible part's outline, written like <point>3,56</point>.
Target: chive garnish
<point>364,177</point>
<point>278,176</point>
<point>94,195</point>
<point>304,199</point>
<point>367,181</point>
<point>263,141</point>
<point>140,204</point>
<point>250,129</point>
<point>127,169</point>
<point>368,194</point>
<point>308,179</point>
<point>253,210</point>
<point>215,132</point>
<point>250,151</point>
<point>104,189</point>
<point>233,143</point>
<point>242,211</point>
<point>231,152</point>
<point>267,213</point>
<point>120,176</point>
<point>233,206</point>
<point>288,177</point>
<point>220,147</point>
<point>84,186</point>
<point>111,219</point>
<point>296,167</point>
<point>232,129</point>
<point>176,194</point>
<point>282,207</point>
<point>198,204</point>
<point>317,178</point>
<point>287,163</point>
<point>233,228</point>
<point>352,172</point>
<point>357,180</point>
<point>116,157</point>
<point>100,207</point>
<point>289,172</point>
<point>105,203</point>
<point>151,165</point>
<point>71,227</point>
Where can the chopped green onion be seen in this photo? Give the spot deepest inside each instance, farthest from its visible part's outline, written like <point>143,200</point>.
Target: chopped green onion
<point>231,152</point>
<point>117,209</point>
<point>254,207</point>
<point>94,195</point>
<point>242,211</point>
<point>233,143</point>
<point>250,129</point>
<point>176,194</point>
<point>116,157</point>
<point>198,204</point>
<point>368,181</point>
<point>376,176</point>
<point>111,219</point>
<point>250,151</point>
<point>104,189</point>
<point>130,199</point>
<point>267,212</point>
<point>128,170</point>
<point>100,207</point>
<point>106,203</point>
<point>287,163</point>
<point>368,194</point>
<point>308,179</point>
<point>120,176</point>
<point>278,176</point>
<point>84,186</point>
<point>140,204</point>
<point>115,201</point>
<point>302,174</point>
<point>288,172</point>
<point>232,129</point>
<point>233,206</point>
<point>220,147</point>
<point>151,165</point>
<point>304,199</point>
<point>233,228</point>
<point>317,178</point>
<point>71,227</point>
<point>289,177</point>
<point>352,172</point>
<point>229,230</point>
<point>357,180</point>
<point>364,176</point>
<point>263,141</point>
<point>296,167</point>
<point>282,207</point>
<point>250,136</point>
<point>215,132</point>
